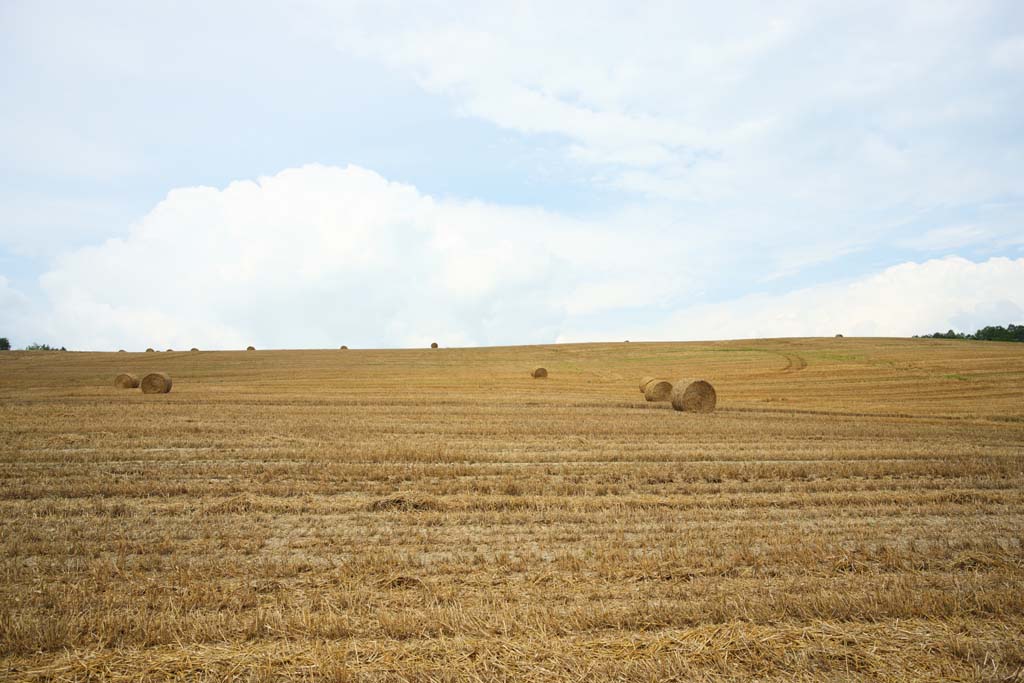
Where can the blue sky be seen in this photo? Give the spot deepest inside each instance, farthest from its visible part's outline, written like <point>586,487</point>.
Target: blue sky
<point>314,173</point>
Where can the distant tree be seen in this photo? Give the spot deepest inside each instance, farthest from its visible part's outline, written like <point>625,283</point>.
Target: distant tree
<point>40,347</point>
<point>5,344</point>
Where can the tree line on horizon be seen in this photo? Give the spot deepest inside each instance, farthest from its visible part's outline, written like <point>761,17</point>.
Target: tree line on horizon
<point>1010,333</point>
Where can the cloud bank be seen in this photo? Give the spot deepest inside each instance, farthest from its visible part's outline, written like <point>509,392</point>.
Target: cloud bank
<point>319,256</point>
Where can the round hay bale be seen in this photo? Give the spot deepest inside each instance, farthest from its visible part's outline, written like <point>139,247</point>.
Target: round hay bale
<point>539,373</point>
<point>658,390</point>
<point>170,350</point>
<point>643,383</point>
<point>149,351</point>
<point>344,348</point>
<point>126,380</point>
<point>193,349</point>
<point>433,345</point>
<point>156,383</point>
<point>694,397</point>
<point>250,348</point>
<point>121,351</point>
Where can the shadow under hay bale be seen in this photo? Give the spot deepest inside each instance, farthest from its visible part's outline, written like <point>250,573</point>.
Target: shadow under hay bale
<point>539,373</point>
<point>658,390</point>
<point>694,397</point>
<point>156,383</point>
<point>126,380</point>
<point>405,502</point>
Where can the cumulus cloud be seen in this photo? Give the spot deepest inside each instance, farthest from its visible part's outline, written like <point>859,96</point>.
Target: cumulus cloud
<point>318,256</point>
<point>906,299</point>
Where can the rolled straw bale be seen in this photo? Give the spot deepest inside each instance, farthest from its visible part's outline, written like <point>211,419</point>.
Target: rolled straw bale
<point>643,383</point>
<point>658,390</point>
<point>193,349</point>
<point>344,348</point>
<point>126,381</point>
<point>150,351</point>
<point>170,350</point>
<point>694,397</point>
<point>156,383</point>
<point>250,348</point>
<point>433,345</point>
<point>539,373</point>
<point>121,351</point>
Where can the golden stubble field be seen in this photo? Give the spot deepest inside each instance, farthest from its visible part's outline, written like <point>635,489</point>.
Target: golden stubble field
<point>852,511</point>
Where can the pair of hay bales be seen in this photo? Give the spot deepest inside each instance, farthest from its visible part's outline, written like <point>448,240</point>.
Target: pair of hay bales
<point>694,397</point>
<point>153,383</point>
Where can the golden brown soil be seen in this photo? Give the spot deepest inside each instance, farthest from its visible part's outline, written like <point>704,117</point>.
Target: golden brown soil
<point>852,511</point>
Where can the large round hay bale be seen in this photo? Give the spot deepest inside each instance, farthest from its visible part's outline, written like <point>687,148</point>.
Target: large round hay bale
<point>193,349</point>
<point>126,380</point>
<point>433,345</point>
<point>658,390</point>
<point>344,348</point>
<point>250,348</point>
<point>643,383</point>
<point>149,351</point>
<point>156,383</point>
<point>694,397</point>
<point>539,373</point>
<point>170,350</point>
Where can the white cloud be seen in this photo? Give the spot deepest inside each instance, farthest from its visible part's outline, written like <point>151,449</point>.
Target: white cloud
<point>910,298</point>
<point>712,102</point>
<point>318,256</point>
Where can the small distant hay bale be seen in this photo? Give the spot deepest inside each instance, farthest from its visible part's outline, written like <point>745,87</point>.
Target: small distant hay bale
<point>344,348</point>
<point>250,348</point>
<point>405,502</point>
<point>643,383</point>
<point>170,350</point>
<point>126,380</point>
<point>694,397</point>
<point>150,351</point>
<point>121,351</point>
<point>539,373</point>
<point>156,383</point>
<point>658,390</point>
<point>433,345</point>
<point>193,349</point>
<point>839,336</point>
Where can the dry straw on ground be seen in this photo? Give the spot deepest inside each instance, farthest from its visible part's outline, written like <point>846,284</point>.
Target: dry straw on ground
<point>539,373</point>
<point>156,383</point>
<point>658,390</point>
<point>643,383</point>
<point>126,380</point>
<point>694,397</point>
<point>301,516</point>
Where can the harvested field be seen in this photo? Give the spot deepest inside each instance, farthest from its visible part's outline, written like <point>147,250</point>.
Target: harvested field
<point>852,510</point>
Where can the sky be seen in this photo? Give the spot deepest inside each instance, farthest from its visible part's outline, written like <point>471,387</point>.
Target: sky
<point>314,173</point>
